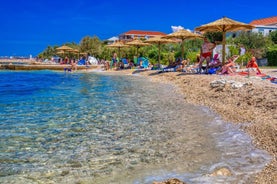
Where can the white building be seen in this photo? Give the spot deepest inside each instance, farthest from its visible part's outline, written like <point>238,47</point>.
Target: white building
<point>265,25</point>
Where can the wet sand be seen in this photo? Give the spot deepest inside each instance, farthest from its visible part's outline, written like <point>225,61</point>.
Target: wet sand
<point>253,106</point>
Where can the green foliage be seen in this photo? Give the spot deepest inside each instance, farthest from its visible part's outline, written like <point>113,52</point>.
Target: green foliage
<point>214,36</point>
<point>233,50</point>
<point>244,58</point>
<point>91,45</point>
<point>273,36</point>
<point>272,57</point>
<point>255,43</point>
<point>152,54</point>
<point>192,56</point>
<point>48,52</point>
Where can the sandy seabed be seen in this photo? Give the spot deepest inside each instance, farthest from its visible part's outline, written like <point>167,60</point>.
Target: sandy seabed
<point>253,105</point>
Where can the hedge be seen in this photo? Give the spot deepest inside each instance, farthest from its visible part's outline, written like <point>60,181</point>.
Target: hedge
<point>272,57</point>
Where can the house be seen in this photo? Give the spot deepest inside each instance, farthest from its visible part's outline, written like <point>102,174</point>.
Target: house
<point>265,25</point>
<point>132,34</point>
<point>112,39</point>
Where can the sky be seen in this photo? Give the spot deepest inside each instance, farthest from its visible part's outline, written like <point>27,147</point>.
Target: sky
<point>29,26</point>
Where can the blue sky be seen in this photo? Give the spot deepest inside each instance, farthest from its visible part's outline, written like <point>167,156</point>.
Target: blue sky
<point>29,26</point>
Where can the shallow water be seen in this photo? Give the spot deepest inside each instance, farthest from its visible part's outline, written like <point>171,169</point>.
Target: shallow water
<point>96,128</point>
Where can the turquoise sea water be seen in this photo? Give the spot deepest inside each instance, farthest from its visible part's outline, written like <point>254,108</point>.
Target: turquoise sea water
<point>60,127</point>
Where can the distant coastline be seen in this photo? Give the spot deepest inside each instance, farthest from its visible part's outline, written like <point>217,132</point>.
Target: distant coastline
<point>31,64</point>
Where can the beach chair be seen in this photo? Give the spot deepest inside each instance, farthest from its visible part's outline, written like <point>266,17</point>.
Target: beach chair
<point>144,62</point>
<point>125,63</point>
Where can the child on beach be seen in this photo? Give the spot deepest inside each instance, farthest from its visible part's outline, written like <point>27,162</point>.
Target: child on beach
<point>253,64</point>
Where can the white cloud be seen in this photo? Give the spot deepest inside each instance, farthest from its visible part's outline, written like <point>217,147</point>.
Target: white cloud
<point>176,28</point>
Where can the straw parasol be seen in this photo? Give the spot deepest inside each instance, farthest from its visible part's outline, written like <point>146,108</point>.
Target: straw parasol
<point>183,35</point>
<point>137,43</point>
<point>159,40</point>
<point>64,48</point>
<point>118,45</point>
<point>224,25</point>
<point>60,52</point>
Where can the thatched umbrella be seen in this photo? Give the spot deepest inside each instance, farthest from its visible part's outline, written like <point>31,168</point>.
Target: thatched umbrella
<point>118,45</point>
<point>137,43</point>
<point>64,48</point>
<point>183,35</point>
<point>159,40</point>
<point>224,25</point>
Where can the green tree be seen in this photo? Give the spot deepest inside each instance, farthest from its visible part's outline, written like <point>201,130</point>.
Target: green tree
<point>273,36</point>
<point>48,52</point>
<point>214,36</point>
<point>255,43</point>
<point>91,45</point>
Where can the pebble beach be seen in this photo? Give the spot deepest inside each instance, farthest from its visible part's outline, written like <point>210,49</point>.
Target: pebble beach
<point>252,105</point>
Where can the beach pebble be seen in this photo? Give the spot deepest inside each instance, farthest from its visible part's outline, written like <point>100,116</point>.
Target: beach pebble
<point>170,181</point>
<point>218,83</point>
<point>221,172</point>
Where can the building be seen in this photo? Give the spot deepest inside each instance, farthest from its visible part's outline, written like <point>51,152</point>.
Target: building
<point>112,39</point>
<point>132,34</point>
<point>265,25</point>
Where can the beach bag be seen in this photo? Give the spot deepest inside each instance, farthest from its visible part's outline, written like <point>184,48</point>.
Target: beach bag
<point>212,71</point>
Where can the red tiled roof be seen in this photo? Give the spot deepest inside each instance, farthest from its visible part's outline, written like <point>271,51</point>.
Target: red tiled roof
<point>265,21</point>
<point>149,33</point>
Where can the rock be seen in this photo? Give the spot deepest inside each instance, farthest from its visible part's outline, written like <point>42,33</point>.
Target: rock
<point>237,85</point>
<point>218,83</point>
<point>221,172</point>
<point>170,181</point>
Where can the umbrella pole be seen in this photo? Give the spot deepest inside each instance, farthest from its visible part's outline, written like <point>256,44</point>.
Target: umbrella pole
<point>182,49</point>
<point>223,47</point>
<point>159,56</point>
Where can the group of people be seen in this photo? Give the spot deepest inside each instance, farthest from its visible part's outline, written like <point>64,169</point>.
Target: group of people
<point>125,63</point>
<point>229,66</point>
<point>213,62</point>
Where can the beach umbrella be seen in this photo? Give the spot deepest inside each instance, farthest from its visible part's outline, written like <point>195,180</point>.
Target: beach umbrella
<point>60,52</point>
<point>137,43</point>
<point>159,40</point>
<point>224,25</point>
<point>117,45</point>
<point>64,48</point>
<point>183,34</point>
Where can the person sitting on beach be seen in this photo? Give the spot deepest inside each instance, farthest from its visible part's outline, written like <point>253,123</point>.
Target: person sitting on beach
<point>253,64</point>
<point>182,65</point>
<point>215,62</point>
<point>173,65</point>
<point>193,68</point>
<point>229,66</point>
<point>107,65</point>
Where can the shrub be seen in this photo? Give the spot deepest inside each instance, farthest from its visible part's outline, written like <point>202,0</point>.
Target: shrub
<point>192,56</point>
<point>272,57</point>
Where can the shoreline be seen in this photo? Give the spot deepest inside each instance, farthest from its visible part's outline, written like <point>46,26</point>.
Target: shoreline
<point>252,106</point>
<point>45,67</point>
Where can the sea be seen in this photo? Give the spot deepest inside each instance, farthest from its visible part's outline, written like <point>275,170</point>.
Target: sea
<point>100,128</point>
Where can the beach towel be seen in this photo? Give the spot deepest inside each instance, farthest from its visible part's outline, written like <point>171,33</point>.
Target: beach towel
<point>273,80</point>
